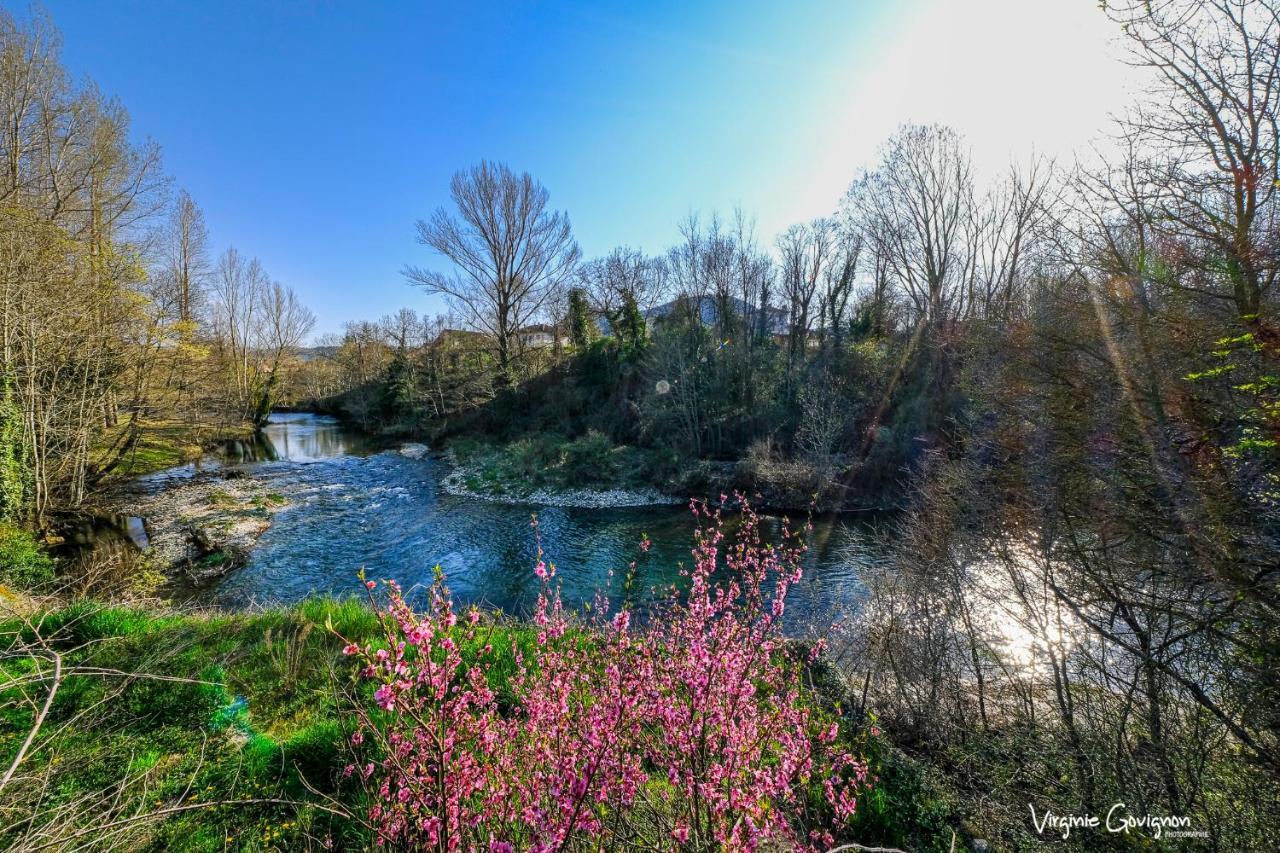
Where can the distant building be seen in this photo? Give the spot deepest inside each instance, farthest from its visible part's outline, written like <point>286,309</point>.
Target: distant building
<point>455,347</point>
<point>540,335</point>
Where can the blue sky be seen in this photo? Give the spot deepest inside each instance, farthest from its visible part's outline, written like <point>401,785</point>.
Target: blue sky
<point>315,134</point>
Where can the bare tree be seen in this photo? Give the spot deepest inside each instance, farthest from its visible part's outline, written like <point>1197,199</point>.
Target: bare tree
<point>623,274</point>
<point>755,279</point>
<point>186,257</point>
<point>509,250</point>
<point>806,251</point>
<point>257,322</point>
<point>837,288</point>
<point>1004,233</point>
<point>285,324</point>
<point>405,330</point>
<point>1211,132</point>
<point>238,286</point>
<point>916,210</point>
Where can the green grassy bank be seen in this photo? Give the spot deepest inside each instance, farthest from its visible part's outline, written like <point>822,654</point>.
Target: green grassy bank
<point>160,444</point>
<point>172,714</point>
<point>228,731</point>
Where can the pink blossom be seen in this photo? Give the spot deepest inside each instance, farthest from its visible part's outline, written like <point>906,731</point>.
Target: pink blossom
<point>706,698</point>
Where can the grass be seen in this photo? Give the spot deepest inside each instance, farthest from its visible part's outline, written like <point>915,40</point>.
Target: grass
<point>23,563</point>
<point>221,499</point>
<point>163,444</point>
<point>265,714</point>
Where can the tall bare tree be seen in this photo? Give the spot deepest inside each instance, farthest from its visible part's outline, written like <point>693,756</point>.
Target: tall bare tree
<point>237,289</point>
<point>807,251</point>
<point>1211,134</point>
<point>285,324</point>
<point>510,252</point>
<point>186,257</point>
<point>915,208</point>
<point>1003,232</point>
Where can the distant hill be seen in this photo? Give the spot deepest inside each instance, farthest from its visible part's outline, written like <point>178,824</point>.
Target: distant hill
<point>313,353</point>
<point>708,312</point>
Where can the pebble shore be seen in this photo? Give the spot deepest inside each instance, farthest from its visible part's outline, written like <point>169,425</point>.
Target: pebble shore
<point>210,514</point>
<point>454,483</point>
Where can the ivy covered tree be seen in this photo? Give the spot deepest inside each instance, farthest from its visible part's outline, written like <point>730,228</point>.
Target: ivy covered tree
<point>579,319</point>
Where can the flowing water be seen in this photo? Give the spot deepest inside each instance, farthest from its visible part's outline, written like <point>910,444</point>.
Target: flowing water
<point>353,505</point>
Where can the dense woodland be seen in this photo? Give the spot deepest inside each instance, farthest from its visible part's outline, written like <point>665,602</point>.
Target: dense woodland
<point>1064,379</point>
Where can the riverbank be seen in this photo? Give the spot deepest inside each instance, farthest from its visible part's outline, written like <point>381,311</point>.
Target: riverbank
<point>591,473</point>
<point>162,444</point>
<point>212,730</point>
<point>195,730</point>
<point>546,469</point>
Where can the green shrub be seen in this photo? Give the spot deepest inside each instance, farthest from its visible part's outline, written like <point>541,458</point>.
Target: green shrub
<point>589,459</point>
<point>23,563</point>
<point>908,807</point>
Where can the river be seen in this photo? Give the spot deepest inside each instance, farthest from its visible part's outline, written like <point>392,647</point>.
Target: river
<point>352,504</point>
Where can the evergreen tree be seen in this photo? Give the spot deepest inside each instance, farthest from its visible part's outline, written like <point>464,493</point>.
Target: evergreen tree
<point>631,326</point>
<point>579,319</point>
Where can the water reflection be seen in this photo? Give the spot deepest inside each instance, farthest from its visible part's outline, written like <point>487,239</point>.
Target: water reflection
<point>300,437</point>
<point>95,539</point>
<point>1016,612</point>
<point>304,437</point>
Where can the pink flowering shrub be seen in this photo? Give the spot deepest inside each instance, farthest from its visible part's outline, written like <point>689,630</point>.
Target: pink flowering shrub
<point>691,731</point>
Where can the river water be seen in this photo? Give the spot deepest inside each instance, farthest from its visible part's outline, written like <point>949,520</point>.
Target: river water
<point>354,505</point>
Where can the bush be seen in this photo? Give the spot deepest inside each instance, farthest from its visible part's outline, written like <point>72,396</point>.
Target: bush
<point>23,563</point>
<point>589,459</point>
<point>693,732</point>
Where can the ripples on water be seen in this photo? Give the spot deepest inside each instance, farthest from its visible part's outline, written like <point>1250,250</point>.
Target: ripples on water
<point>351,506</point>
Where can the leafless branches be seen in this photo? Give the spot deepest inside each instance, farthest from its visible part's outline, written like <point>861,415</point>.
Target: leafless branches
<point>509,252</point>
<point>1210,140</point>
<point>916,209</point>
